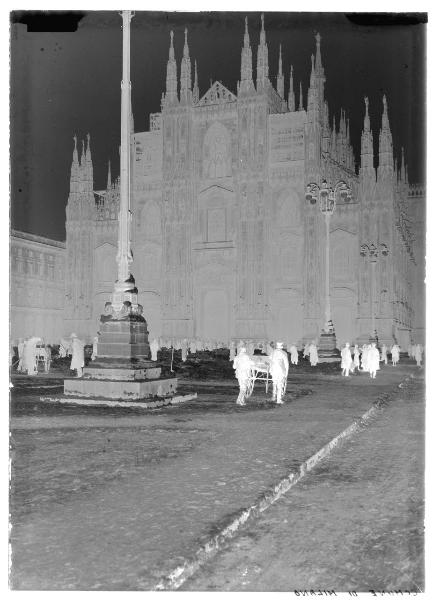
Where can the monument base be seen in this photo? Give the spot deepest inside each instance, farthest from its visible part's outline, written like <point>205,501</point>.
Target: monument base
<point>120,389</point>
<point>327,350</point>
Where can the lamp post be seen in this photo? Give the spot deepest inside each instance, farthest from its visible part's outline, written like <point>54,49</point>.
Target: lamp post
<point>371,252</point>
<point>327,197</point>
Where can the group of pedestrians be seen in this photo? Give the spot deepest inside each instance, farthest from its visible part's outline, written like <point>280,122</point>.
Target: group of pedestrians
<point>31,351</point>
<point>368,358</point>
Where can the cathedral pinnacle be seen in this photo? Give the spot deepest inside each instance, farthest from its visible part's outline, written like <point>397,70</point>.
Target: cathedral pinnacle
<point>318,55</point>
<point>185,73</point>
<point>88,153</point>
<point>171,98</point>
<point>301,100</point>
<point>367,116</point>
<point>246,85</point>
<point>385,120</point>
<point>262,59</point>
<point>75,153</point>
<point>196,90</point>
<point>313,72</point>
<point>246,34</point>
<point>262,30</point>
<point>109,176</point>
<point>171,51</point>
<point>185,46</point>
<point>280,77</point>
<point>291,102</point>
<point>385,143</point>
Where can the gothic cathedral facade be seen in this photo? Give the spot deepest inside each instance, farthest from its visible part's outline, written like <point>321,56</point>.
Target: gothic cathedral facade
<point>226,245</point>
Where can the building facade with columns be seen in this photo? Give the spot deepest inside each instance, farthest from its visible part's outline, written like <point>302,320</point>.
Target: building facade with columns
<point>226,244</point>
<point>37,287</point>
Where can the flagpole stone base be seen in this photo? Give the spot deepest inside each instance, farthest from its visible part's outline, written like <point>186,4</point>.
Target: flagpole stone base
<point>122,370</point>
<point>327,350</point>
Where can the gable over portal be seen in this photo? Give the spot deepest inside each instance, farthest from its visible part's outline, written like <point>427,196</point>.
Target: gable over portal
<point>217,94</point>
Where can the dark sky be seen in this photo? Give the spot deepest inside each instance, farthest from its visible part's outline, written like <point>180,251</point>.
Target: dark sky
<point>66,82</point>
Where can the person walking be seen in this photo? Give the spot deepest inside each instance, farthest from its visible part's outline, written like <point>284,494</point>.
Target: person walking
<point>293,354</point>
<point>355,357</point>
<point>373,360</point>
<point>418,354</point>
<point>95,347</point>
<point>346,360</point>
<point>384,354</point>
<point>313,354</point>
<point>77,361</point>
<point>395,354</point>
<point>279,369</point>
<point>242,364</point>
<point>20,355</point>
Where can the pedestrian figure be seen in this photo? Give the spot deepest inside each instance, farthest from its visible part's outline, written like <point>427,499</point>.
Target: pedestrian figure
<point>29,352</point>
<point>279,369</point>
<point>232,350</point>
<point>269,348</point>
<point>418,354</point>
<point>250,348</point>
<point>154,347</point>
<point>20,354</point>
<point>306,351</point>
<point>95,347</point>
<point>355,358</point>
<point>373,360</point>
<point>293,354</point>
<point>346,360</point>
<point>240,345</point>
<point>395,354</point>
<point>184,349</point>
<point>77,361</point>
<point>364,357</point>
<point>65,348</point>
<point>193,346</point>
<point>384,356</point>
<point>242,365</point>
<point>313,354</point>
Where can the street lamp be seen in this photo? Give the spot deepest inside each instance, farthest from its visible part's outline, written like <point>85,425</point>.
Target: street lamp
<point>371,251</point>
<point>327,196</point>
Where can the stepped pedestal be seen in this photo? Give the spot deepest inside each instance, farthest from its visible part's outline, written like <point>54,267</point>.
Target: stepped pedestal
<point>327,349</point>
<point>122,370</point>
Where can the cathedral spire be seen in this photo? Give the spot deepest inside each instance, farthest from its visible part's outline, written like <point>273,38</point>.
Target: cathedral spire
<point>109,176</point>
<point>89,167</point>
<point>301,100</point>
<point>385,141</point>
<point>291,99</point>
<point>195,90</point>
<point>280,77</point>
<point>262,59</point>
<point>313,102</point>
<point>366,144</point>
<point>313,72</point>
<point>171,97</point>
<point>246,85</point>
<point>75,163</point>
<point>185,73</point>
<point>75,173</point>
<point>319,67</point>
